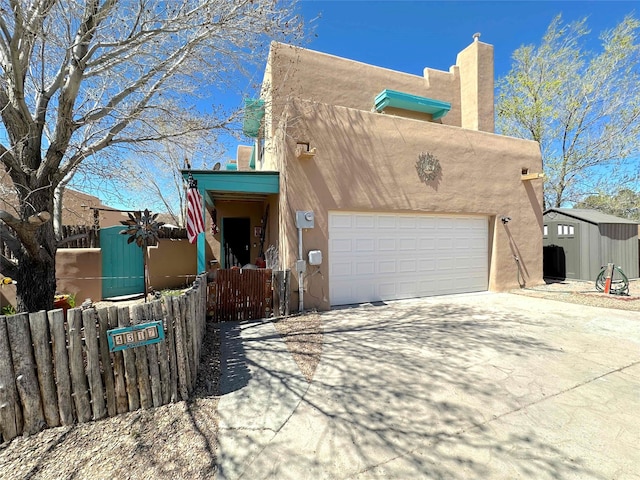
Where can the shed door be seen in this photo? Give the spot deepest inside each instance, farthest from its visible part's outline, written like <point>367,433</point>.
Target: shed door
<point>381,256</point>
<point>562,250</point>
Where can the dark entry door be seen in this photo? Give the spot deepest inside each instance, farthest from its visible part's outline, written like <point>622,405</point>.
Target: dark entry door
<point>236,242</point>
<point>562,251</point>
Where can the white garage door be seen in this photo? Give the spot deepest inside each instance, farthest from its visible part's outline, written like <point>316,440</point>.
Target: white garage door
<point>378,256</point>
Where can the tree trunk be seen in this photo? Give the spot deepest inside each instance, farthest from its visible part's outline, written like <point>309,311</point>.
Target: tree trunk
<point>36,274</point>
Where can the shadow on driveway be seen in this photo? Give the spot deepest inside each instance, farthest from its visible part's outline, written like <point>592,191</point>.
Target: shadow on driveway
<point>441,388</point>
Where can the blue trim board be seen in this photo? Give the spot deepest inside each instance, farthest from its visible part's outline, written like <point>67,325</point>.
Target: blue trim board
<point>201,253</point>
<point>406,101</point>
<point>233,181</point>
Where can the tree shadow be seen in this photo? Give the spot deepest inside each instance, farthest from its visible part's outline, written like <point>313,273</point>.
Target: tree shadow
<point>411,389</point>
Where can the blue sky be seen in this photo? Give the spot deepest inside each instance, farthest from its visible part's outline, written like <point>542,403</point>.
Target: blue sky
<point>410,35</point>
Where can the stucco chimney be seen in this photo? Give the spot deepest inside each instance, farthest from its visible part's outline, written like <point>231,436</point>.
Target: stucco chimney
<point>476,86</point>
<point>243,156</point>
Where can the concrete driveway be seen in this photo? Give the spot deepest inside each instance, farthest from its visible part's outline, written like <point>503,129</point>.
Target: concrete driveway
<point>460,387</point>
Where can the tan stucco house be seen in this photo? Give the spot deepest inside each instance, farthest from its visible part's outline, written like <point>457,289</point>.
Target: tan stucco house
<point>376,184</point>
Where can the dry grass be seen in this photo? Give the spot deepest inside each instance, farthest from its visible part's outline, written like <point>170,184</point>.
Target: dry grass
<point>303,337</point>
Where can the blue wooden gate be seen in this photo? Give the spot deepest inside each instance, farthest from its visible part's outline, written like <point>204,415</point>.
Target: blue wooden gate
<point>122,268</point>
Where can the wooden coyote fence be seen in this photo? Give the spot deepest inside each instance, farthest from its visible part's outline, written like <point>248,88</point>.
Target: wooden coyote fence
<point>56,371</point>
<point>241,294</point>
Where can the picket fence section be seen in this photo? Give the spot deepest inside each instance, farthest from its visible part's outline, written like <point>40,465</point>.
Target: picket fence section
<point>56,371</point>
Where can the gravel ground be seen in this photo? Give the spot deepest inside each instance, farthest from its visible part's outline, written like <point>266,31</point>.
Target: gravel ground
<point>175,441</point>
<point>584,293</point>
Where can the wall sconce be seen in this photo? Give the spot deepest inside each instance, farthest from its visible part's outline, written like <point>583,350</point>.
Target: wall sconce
<point>504,219</point>
<point>303,151</point>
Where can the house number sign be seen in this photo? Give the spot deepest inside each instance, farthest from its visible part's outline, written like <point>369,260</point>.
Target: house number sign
<point>135,336</point>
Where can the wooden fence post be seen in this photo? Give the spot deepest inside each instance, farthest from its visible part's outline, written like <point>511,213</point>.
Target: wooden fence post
<point>163,355</point>
<point>122,403</point>
<point>44,362</point>
<point>61,362</point>
<point>25,371</point>
<point>105,361</point>
<point>170,328</point>
<point>182,361</point>
<point>76,363</point>
<point>10,412</point>
<point>152,355</point>
<point>93,364</point>
<point>142,364</point>
<point>129,358</point>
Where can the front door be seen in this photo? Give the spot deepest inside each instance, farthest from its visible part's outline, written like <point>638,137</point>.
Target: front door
<point>236,242</point>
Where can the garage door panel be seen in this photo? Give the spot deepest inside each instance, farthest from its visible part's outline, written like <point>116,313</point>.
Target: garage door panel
<point>387,266</point>
<point>340,221</point>
<point>365,268</point>
<point>364,221</point>
<point>405,266</point>
<point>377,256</point>
<point>407,244</point>
<point>387,221</point>
<point>426,265</point>
<point>426,244</point>
<point>341,245</point>
<point>340,269</point>
<point>386,244</point>
<point>365,244</point>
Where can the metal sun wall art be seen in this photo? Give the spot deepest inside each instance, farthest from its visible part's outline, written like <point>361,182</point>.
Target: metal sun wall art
<point>428,167</point>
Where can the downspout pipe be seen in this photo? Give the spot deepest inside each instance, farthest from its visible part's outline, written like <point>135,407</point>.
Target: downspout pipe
<point>300,269</point>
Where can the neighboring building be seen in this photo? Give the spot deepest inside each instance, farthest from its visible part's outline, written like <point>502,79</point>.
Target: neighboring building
<point>411,192</point>
<point>77,207</point>
<point>578,242</point>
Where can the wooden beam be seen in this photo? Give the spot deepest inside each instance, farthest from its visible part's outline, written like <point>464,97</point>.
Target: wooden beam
<point>531,176</point>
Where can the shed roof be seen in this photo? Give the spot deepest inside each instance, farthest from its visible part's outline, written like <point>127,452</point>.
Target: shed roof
<point>590,216</point>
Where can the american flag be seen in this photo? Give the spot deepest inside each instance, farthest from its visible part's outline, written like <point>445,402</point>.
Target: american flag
<point>195,220</point>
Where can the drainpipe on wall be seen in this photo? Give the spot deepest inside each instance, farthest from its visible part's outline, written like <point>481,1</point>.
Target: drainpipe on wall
<point>300,268</point>
<point>304,219</point>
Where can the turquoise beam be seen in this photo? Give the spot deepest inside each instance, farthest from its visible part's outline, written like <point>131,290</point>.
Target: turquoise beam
<point>201,236</point>
<point>415,103</point>
<point>257,182</point>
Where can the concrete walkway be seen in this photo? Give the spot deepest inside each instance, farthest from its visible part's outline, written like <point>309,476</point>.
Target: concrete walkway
<point>487,386</point>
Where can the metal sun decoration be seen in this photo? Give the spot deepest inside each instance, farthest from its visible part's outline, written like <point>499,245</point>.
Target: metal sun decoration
<point>428,167</point>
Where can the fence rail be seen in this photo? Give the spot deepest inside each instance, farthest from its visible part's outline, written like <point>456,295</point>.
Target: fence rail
<point>56,371</point>
<point>85,236</point>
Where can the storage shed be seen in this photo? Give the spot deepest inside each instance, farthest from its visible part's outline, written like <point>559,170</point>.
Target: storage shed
<point>578,242</point>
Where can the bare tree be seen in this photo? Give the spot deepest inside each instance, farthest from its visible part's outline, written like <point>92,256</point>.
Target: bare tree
<point>92,79</point>
<point>582,107</point>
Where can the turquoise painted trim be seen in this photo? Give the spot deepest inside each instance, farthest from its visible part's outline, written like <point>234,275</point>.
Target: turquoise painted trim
<point>258,182</point>
<point>406,101</point>
<point>231,166</point>
<point>201,236</point>
<point>201,257</point>
<point>252,162</point>
<point>253,113</point>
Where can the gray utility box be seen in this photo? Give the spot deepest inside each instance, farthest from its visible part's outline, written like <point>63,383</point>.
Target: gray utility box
<point>304,219</point>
